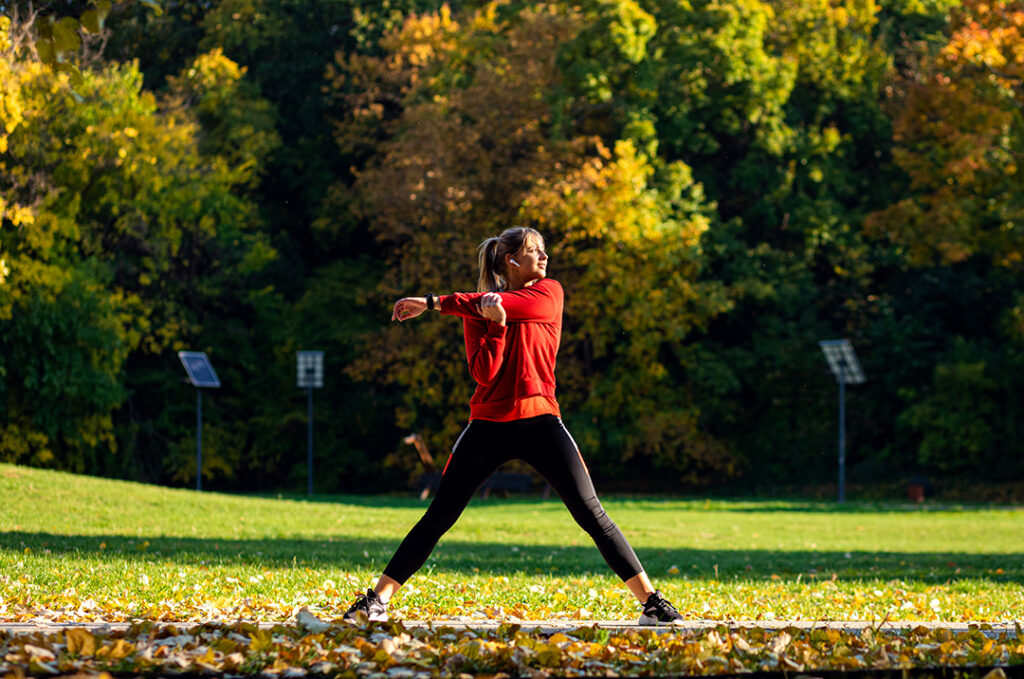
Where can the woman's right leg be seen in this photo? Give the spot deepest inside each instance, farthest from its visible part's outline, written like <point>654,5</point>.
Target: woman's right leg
<point>477,454</point>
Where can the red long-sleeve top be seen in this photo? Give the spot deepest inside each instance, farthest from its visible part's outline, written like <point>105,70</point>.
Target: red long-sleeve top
<point>514,362</point>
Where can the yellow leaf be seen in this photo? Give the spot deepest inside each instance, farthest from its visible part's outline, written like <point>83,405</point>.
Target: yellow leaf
<point>262,640</point>
<point>91,20</point>
<point>120,650</point>
<point>549,655</point>
<point>209,658</point>
<point>80,642</point>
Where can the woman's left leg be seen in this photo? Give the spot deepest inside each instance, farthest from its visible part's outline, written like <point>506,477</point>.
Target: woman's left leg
<point>551,450</point>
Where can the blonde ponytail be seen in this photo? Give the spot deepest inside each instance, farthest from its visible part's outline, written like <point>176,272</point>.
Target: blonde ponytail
<point>489,280</point>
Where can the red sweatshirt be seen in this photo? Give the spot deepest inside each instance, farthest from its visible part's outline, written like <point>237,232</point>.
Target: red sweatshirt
<point>515,361</point>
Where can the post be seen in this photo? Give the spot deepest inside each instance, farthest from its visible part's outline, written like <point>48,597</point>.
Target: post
<point>199,439</point>
<point>309,375</point>
<point>842,438</point>
<point>309,443</point>
<point>201,375</point>
<point>843,363</point>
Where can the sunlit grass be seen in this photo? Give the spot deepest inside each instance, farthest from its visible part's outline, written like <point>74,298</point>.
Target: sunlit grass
<point>75,547</point>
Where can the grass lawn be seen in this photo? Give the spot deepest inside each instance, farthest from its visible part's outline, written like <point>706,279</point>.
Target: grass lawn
<point>81,548</point>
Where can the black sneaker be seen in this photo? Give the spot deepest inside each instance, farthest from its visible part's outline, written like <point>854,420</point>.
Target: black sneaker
<point>371,605</point>
<point>658,611</point>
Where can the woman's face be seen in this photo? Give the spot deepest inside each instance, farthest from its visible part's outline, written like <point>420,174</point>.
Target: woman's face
<point>532,261</point>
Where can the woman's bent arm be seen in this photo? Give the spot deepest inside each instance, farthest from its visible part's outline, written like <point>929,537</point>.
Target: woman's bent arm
<point>485,350</point>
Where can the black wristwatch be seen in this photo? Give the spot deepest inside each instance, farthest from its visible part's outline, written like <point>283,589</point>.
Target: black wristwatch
<point>430,301</point>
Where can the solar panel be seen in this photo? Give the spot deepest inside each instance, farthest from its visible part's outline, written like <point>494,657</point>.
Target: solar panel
<point>842,361</point>
<point>309,369</point>
<point>200,371</point>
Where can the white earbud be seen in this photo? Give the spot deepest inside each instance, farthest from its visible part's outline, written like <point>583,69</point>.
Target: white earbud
<point>513,261</point>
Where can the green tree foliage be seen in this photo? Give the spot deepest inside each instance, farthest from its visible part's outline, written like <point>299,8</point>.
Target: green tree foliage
<point>135,232</point>
<point>722,184</point>
<point>455,171</point>
<point>630,243</point>
<point>236,123</point>
<point>63,349</point>
<point>471,153</point>
<point>958,136</point>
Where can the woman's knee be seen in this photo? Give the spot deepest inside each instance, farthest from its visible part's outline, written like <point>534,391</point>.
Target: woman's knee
<point>439,521</point>
<point>592,517</point>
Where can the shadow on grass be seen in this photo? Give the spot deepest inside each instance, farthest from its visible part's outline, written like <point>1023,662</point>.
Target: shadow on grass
<point>346,553</point>
<point>656,503</point>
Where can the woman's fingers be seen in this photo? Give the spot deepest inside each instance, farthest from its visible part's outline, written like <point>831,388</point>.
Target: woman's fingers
<point>406,308</point>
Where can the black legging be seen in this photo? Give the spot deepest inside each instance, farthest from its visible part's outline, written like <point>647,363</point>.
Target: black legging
<point>544,443</point>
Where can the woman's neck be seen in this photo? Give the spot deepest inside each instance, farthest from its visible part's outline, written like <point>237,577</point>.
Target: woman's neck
<point>516,285</point>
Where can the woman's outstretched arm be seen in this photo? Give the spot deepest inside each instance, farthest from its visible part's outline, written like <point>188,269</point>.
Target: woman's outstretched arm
<point>484,305</point>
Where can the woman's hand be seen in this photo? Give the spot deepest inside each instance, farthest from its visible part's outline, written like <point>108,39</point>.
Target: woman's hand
<point>491,309</point>
<point>408,307</point>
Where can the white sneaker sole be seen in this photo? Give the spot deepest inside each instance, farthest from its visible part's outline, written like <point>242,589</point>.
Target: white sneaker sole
<point>651,621</point>
<point>380,617</point>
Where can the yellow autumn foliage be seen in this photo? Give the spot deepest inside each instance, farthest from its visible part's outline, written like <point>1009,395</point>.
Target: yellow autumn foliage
<point>623,230</point>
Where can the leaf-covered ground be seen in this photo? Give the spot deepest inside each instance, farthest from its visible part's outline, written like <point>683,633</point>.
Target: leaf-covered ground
<point>79,549</point>
<point>392,650</point>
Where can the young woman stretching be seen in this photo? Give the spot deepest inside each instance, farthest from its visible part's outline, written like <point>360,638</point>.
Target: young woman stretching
<point>512,329</point>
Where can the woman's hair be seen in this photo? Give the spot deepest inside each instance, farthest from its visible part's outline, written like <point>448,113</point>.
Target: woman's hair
<point>491,256</point>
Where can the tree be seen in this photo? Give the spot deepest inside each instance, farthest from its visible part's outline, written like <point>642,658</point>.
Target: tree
<point>629,243</point>
<point>471,152</point>
<point>57,29</point>
<point>133,233</point>
<point>960,135</point>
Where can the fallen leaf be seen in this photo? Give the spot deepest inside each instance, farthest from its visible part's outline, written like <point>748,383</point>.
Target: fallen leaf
<point>310,622</point>
<point>80,642</point>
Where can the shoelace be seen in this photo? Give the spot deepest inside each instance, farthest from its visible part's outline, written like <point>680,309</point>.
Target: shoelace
<point>362,603</point>
<point>664,605</point>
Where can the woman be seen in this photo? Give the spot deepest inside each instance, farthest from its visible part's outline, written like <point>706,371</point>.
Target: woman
<point>512,329</point>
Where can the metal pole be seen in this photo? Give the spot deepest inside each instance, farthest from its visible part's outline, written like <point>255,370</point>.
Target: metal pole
<point>842,438</point>
<point>199,439</point>
<point>309,443</point>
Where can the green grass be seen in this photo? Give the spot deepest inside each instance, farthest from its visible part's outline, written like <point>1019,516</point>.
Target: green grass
<point>81,548</point>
